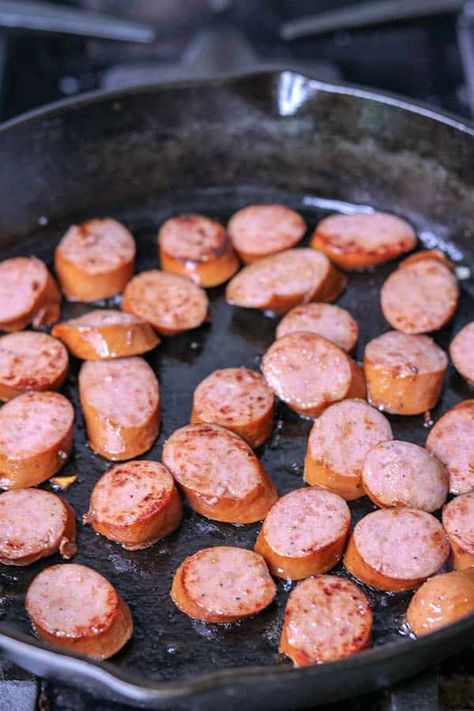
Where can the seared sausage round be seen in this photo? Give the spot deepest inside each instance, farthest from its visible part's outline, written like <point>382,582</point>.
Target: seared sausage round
<point>304,533</point>
<point>135,504</point>
<point>238,399</point>
<point>219,474</point>
<point>171,303</point>
<point>326,618</point>
<point>452,440</point>
<point>284,280</point>
<point>95,260</point>
<point>34,524</point>
<point>458,522</point>
<point>364,239</point>
<point>106,333</point>
<point>197,247</point>
<point>258,231</point>
<point>461,351</point>
<point>440,601</point>
<point>404,373</point>
<point>31,361</point>
<point>338,444</point>
<point>73,607</point>
<point>222,584</point>
<point>36,431</point>
<point>403,474</point>
<point>28,294</point>
<point>396,549</point>
<point>309,373</point>
<point>120,400</point>
<point>331,322</point>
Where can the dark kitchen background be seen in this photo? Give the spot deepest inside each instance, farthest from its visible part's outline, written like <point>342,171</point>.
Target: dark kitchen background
<point>423,49</point>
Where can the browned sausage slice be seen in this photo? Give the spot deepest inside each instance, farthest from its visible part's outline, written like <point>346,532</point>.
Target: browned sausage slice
<point>338,444</point>
<point>420,296</point>
<point>440,601</point>
<point>28,294</point>
<point>35,438</point>
<point>403,474</point>
<point>135,504</point>
<point>326,618</point>
<point>309,373</point>
<point>121,404</point>
<point>35,524</point>
<point>404,373</point>
<point>219,474</point>
<point>304,533</point>
<point>331,322</point>
<point>31,361</point>
<point>284,280</point>
<point>238,399</point>
<point>197,247</point>
<point>106,333</point>
<point>462,352</point>
<point>396,549</point>
<point>362,240</point>
<point>95,260</point>
<point>222,584</point>
<point>261,230</point>
<point>458,522</point>
<point>171,303</point>
<point>73,607</point>
<point>452,441</point>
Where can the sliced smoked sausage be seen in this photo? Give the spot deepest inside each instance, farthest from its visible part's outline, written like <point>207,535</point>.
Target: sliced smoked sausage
<point>73,607</point>
<point>452,440</point>
<point>404,373</point>
<point>31,361</point>
<point>222,584</point>
<point>396,549</point>
<point>120,400</point>
<point>458,522</point>
<point>95,260</point>
<point>304,533</point>
<point>219,474</point>
<point>135,504</point>
<point>238,399</point>
<point>36,431</point>
<point>28,294</point>
<point>440,601</point>
<point>326,618</point>
<point>461,351</point>
<point>331,322</point>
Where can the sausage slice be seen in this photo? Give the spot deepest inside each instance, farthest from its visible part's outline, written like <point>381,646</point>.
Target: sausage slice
<point>420,296</point>
<point>458,522</point>
<point>284,280</point>
<point>309,373</point>
<point>331,322</point>
<point>171,303</point>
<point>362,240</point>
<point>197,247</point>
<point>261,230</point>
<point>28,294</point>
<point>120,400</point>
<point>396,549</point>
<point>33,525</point>
<point>36,432</point>
<point>404,373</point>
<point>440,601</point>
<point>106,333</point>
<point>135,504</point>
<point>95,260</point>
<point>326,618</point>
<point>222,584</point>
<point>461,351</point>
<point>304,533</point>
<point>404,474</point>
<point>219,474</point>
<point>338,444</point>
<point>452,440</point>
<point>73,607</point>
<point>31,361</point>
<point>238,399</point>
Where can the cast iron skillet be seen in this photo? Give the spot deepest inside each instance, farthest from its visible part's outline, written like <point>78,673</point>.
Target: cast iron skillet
<point>142,156</point>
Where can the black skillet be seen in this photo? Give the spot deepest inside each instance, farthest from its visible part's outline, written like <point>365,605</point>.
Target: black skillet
<point>213,147</point>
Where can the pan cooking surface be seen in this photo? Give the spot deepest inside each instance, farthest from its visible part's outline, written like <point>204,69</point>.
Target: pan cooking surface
<point>166,644</point>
